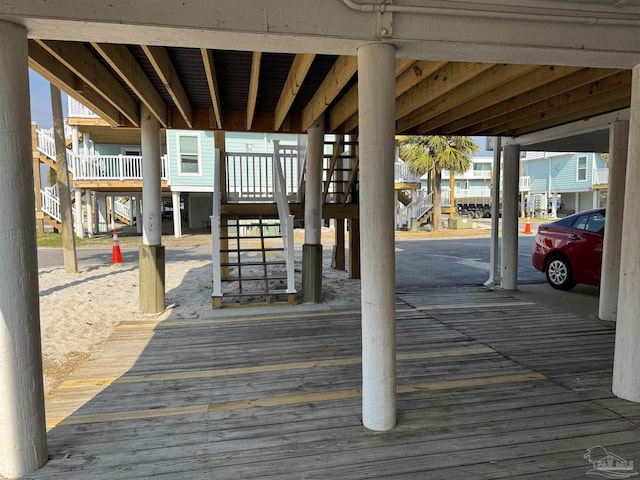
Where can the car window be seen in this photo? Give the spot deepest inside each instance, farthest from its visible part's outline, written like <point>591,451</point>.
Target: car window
<point>581,222</point>
<point>595,223</point>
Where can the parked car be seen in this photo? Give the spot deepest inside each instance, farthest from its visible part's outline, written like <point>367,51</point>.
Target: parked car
<point>569,250</point>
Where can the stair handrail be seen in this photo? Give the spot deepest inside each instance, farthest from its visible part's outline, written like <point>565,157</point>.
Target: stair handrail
<point>47,146</point>
<point>51,203</point>
<point>215,229</point>
<point>123,209</point>
<point>286,219</point>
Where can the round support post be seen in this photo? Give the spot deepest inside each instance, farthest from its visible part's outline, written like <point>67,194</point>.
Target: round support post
<point>23,447</point>
<point>510,217</point>
<point>376,107</point>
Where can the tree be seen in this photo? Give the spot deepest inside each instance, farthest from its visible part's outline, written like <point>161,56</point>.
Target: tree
<point>437,153</point>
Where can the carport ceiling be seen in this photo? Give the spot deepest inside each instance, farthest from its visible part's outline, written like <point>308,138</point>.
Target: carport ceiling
<point>267,92</point>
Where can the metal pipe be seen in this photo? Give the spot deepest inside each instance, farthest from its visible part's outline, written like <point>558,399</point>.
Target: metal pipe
<point>491,11</point>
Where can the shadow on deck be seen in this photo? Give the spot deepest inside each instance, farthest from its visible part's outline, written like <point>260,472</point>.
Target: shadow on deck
<point>489,386</point>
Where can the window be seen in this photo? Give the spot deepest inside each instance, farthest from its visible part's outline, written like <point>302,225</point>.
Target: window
<point>188,155</point>
<point>595,223</point>
<point>581,175</point>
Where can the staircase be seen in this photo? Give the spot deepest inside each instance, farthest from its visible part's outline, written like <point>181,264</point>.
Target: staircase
<point>253,258</point>
<point>122,210</point>
<point>340,171</point>
<point>51,207</point>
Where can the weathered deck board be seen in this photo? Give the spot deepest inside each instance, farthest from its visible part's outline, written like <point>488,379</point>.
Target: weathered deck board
<point>489,387</point>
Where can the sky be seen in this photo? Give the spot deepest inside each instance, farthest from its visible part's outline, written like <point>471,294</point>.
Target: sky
<point>41,108</point>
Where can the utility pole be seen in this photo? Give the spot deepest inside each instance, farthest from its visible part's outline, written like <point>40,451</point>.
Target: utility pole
<point>66,216</point>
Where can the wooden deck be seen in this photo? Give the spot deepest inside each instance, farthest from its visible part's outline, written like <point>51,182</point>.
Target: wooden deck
<point>488,387</point>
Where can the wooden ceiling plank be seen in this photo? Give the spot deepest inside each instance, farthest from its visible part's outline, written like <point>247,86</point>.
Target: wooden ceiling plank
<point>254,81</point>
<point>79,59</point>
<point>339,75</point>
<point>407,76</point>
<point>212,81</point>
<point>495,76</point>
<point>520,85</point>
<point>622,79</point>
<point>589,111</point>
<point>123,62</point>
<point>444,80</point>
<point>163,66</point>
<point>46,65</point>
<point>297,73</point>
<point>351,124</point>
<point>573,110</point>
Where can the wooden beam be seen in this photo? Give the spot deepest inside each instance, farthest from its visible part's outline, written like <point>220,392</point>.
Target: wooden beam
<point>570,112</point>
<point>593,78</point>
<point>339,75</point>
<point>212,81</point>
<point>45,64</point>
<point>235,120</point>
<point>253,87</point>
<point>123,62</point>
<point>408,74</point>
<point>534,79</point>
<point>495,76</point>
<point>163,66</point>
<point>329,210</point>
<point>297,73</point>
<point>445,79</point>
<point>77,58</point>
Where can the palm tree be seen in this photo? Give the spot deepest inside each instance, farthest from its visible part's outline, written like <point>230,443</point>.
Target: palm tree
<point>437,153</point>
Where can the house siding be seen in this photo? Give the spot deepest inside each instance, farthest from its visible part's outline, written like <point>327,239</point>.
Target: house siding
<point>207,155</point>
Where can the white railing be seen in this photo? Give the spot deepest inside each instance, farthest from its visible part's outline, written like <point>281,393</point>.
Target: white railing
<point>600,176</point>
<point>123,209</point>
<point>421,203</point>
<point>250,176</point>
<point>286,219</point>
<point>51,202</point>
<point>525,184</point>
<point>403,174</point>
<point>78,110</point>
<point>467,192</point>
<point>469,175</point>
<point>47,145</point>
<point>215,230</point>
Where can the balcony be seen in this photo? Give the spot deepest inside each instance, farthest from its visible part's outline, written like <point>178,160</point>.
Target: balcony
<point>78,110</point>
<point>600,177</point>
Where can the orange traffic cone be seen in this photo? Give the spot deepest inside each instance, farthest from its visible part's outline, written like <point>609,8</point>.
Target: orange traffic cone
<point>527,226</point>
<point>116,254</point>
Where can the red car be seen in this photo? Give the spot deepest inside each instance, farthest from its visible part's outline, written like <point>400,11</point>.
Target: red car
<point>569,250</point>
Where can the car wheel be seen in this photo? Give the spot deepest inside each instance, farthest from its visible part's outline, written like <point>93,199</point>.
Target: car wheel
<point>559,273</point>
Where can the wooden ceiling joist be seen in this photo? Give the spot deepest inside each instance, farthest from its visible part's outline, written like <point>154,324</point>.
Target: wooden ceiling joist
<point>339,75</point>
<point>165,70</point>
<point>254,81</point>
<point>548,90</point>
<point>486,81</point>
<point>620,80</point>
<point>522,84</point>
<point>49,67</point>
<point>407,76</point>
<point>559,118</point>
<point>79,59</point>
<point>572,109</point>
<point>445,79</point>
<point>123,62</point>
<point>212,81</point>
<point>297,73</point>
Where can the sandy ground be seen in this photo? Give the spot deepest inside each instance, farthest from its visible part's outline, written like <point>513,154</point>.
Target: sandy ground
<point>79,311</point>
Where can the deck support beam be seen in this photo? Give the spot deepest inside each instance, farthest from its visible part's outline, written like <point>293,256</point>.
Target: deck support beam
<point>376,116</point>
<point>626,374</point>
<point>609,278</point>
<point>510,217</point>
<point>23,448</point>
<point>312,248</point>
<point>151,251</point>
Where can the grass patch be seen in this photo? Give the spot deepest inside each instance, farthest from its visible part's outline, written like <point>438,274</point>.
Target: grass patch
<point>55,240</point>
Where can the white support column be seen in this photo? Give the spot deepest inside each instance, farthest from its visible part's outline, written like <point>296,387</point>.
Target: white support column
<point>101,207</point>
<point>90,215</point>
<point>177,217</point>
<point>376,102</point>
<point>609,279</point>
<point>138,214</point>
<point>510,217</point>
<point>23,443</point>
<point>79,225</point>
<point>112,205</point>
<point>626,374</point>
<point>577,201</point>
<point>312,248</point>
<point>86,144</point>
<point>313,184</point>
<point>151,183</point>
<point>594,199</point>
<point>494,255</point>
